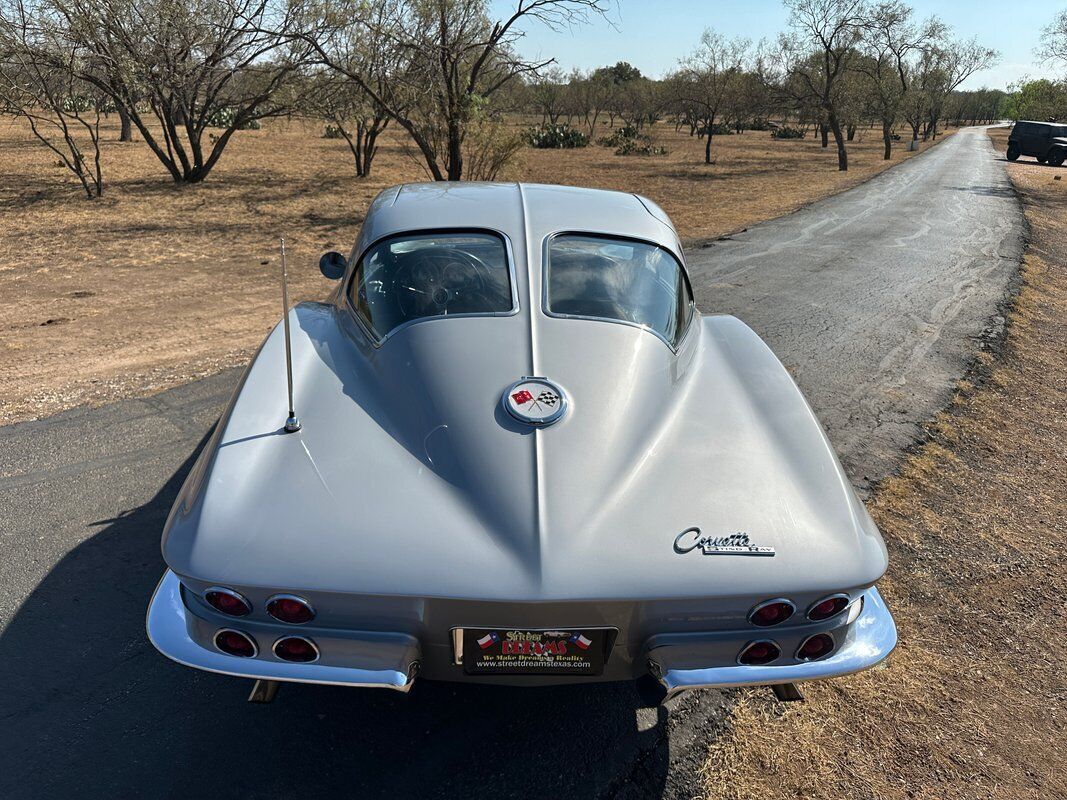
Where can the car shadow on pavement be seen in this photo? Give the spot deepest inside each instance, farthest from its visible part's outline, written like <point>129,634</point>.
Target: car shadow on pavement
<point>90,709</point>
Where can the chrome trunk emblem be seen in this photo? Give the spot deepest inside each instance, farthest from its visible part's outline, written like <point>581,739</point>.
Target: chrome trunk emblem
<point>735,544</point>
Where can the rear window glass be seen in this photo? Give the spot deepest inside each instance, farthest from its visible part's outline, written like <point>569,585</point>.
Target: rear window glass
<point>639,283</point>
<point>414,277</point>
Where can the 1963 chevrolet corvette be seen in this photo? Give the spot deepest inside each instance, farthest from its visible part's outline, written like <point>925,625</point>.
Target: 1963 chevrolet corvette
<point>522,457</point>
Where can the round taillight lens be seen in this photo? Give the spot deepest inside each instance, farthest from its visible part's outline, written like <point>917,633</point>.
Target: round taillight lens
<point>828,607</point>
<point>235,643</point>
<point>290,608</point>
<point>771,612</point>
<point>815,647</point>
<point>296,648</point>
<point>228,602</point>
<point>756,653</point>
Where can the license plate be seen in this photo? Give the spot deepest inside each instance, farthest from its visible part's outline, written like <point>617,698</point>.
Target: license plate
<point>521,651</point>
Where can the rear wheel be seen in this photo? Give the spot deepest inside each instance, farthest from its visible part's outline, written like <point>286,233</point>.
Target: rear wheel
<point>1056,158</point>
<point>1013,152</point>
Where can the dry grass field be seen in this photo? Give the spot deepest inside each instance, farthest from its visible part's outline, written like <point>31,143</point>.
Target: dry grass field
<point>973,703</point>
<point>154,285</point>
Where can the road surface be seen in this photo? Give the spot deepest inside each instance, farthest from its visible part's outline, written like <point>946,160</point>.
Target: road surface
<point>873,298</point>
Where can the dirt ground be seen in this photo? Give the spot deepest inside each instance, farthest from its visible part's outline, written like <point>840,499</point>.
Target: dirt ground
<point>155,285</point>
<point>973,703</point>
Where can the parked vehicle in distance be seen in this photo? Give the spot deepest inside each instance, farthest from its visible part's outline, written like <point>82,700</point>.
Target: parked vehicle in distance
<point>1045,141</point>
<point>523,457</point>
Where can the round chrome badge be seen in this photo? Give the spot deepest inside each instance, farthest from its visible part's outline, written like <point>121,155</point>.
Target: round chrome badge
<point>535,401</point>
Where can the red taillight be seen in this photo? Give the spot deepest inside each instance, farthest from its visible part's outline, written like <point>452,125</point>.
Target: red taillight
<point>290,608</point>
<point>771,612</point>
<point>296,648</point>
<point>828,607</point>
<point>815,647</point>
<point>756,653</point>
<point>227,601</point>
<point>235,643</point>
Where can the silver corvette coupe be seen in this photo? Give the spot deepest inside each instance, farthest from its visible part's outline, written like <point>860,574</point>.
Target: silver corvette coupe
<point>522,457</point>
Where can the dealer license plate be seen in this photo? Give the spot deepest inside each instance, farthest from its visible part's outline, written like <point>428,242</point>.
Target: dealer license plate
<point>521,651</point>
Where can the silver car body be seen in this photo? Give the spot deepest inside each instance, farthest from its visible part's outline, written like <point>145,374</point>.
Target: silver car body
<point>411,506</point>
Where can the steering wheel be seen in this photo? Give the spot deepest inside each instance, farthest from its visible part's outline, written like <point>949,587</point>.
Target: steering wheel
<point>432,282</point>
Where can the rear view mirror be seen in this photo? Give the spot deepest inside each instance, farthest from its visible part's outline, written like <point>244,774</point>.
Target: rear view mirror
<point>333,265</point>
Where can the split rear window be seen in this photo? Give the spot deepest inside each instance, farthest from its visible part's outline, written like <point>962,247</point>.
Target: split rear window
<point>418,276</point>
<point>622,280</point>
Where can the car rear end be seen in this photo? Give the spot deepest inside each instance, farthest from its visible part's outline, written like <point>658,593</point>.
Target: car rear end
<point>386,642</point>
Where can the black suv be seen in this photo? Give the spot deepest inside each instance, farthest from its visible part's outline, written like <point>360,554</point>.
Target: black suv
<point>1046,141</point>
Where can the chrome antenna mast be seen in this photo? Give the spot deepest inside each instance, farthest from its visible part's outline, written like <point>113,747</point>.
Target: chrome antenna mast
<point>292,424</point>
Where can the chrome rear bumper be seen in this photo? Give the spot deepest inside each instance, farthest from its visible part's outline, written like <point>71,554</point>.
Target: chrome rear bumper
<point>386,661</point>
<point>871,637</point>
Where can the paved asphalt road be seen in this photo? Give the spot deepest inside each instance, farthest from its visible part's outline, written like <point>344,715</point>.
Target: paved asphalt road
<point>873,298</point>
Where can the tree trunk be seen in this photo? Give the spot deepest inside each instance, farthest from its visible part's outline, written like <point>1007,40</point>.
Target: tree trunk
<point>887,139</point>
<point>707,142</point>
<point>842,154</point>
<point>455,151</point>
<point>851,132</point>
<point>126,135</point>
<point>825,133</point>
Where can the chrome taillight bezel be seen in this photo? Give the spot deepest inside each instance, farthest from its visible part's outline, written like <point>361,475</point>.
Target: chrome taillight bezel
<point>229,593</point>
<point>821,600</point>
<point>246,636</point>
<point>294,597</point>
<point>827,654</point>
<point>305,639</point>
<point>749,645</point>
<point>773,601</point>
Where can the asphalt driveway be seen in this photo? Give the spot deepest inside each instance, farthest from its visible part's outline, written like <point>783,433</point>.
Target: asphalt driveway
<point>874,298</point>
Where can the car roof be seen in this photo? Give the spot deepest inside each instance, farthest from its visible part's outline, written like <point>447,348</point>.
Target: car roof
<point>521,211</point>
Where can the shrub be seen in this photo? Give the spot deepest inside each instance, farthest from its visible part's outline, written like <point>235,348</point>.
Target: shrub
<point>758,124</point>
<point>718,129</point>
<point>785,132</point>
<point>332,132</point>
<point>555,137</point>
<point>627,133</point>
<point>223,118</point>
<point>77,104</point>
<point>641,146</point>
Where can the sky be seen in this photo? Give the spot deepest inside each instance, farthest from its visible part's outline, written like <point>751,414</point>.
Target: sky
<point>653,34</point>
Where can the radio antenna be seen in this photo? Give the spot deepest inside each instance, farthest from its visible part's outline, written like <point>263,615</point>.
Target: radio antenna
<point>292,424</point>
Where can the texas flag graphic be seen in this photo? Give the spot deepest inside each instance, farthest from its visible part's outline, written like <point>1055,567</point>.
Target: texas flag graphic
<point>581,641</point>
<point>490,638</point>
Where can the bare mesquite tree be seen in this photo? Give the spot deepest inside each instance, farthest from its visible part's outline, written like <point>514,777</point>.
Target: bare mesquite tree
<point>177,68</point>
<point>63,112</point>
<point>355,114</point>
<point>890,40</point>
<point>709,80</point>
<point>819,50</point>
<point>590,95</point>
<point>1053,46</point>
<point>349,113</point>
<point>958,60</point>
<point>450,57</point>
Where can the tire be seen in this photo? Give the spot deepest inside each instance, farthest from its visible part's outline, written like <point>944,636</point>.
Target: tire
<point>1042,159</point>
<point>1013,153</point>
<point>1056,158</point>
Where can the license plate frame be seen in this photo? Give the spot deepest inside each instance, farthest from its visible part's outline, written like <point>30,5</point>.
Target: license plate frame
<point>534,651</point>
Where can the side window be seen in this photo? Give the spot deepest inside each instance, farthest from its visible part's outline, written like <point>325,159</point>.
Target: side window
<point>599,277</point>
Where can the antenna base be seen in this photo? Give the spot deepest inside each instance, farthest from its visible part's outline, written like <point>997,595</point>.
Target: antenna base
<point>292,425</point>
